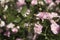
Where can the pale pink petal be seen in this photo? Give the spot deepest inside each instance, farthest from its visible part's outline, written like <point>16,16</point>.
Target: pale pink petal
<point>55,28</point>
<point>20,3</point>
<point>38,28</point>
<point>34,2</point>
<point>57,1</point>
<point>14,30</point>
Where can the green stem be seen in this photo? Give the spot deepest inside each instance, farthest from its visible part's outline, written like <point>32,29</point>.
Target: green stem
<point>46,34</point>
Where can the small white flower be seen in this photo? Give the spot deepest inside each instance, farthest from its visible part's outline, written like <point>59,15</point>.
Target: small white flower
<point>26,24</point>
<point>2,23</point>
<point>19,10</point>
<point>18,27</point>
<point>41,2</point>
<point>6,7</point>
<point>40,8</point>
<point>11,25</point>
<point>25,15</point>
<point>27,12</point>
<point>54,14</point>
<point>37,18</point>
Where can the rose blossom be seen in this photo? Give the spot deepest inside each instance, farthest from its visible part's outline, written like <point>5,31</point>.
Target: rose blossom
<point>34,2</point>
<point>44,15</point>
<point>47,15</point>
<point>41,15</point>
<point>38,28</point>
<point>20,3</point>
<point>54,27</point>
<point>14,30</point>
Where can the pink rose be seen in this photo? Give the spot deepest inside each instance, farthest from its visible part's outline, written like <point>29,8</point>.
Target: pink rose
<point>44,15</point>
<point>38,28</point>
<point>20,3</point>
<point>55,28</point>
<point>47,15</point>
<point>14,30</point>
<point>34,2</point>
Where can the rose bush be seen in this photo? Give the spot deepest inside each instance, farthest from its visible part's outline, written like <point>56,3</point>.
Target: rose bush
<point>29,19</point>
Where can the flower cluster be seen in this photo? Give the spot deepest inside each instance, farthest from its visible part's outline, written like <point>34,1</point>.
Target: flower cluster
<point>29,19</point>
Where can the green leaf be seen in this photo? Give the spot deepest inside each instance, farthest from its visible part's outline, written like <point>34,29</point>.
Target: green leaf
<point>10,18</point>
<point>23,11</point>
<point>28,0</point>
<point>17,20</point>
